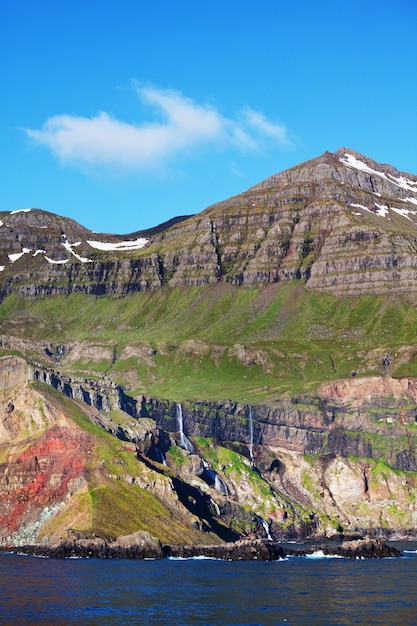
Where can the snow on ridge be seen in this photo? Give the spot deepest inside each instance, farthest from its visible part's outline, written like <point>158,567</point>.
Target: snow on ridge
<point>382,209</point>
<point>403,212</point>
<point>360,206</point>
<point>69,247</point>
<point>2,268</point>
<point>351,161</point>
<point>57,262</point>
<point>121,246</point>
<point>16,255</point>
<point>20,211</point>
<point>404,183</point>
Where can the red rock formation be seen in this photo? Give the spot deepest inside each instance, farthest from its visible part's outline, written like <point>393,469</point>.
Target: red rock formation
<point>40,474</point>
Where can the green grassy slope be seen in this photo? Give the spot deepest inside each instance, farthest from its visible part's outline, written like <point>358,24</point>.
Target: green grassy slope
<point>111,505</point>
<point>222,341</point>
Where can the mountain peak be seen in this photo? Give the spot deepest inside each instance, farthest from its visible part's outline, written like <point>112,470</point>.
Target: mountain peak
<point>359,161</point>
<point>346,166</point>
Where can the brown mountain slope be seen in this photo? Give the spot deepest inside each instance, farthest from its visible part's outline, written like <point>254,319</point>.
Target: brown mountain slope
<point>342,222</point>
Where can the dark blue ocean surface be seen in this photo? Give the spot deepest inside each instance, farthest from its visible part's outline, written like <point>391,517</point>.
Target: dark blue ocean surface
<point>297,591</point>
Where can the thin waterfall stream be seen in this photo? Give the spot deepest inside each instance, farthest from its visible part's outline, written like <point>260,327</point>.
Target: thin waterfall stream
<point>250,434</point>
<point>266,528</point>
<point>185,443</point>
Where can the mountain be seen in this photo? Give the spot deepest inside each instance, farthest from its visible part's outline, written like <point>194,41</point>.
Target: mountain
<point>246,370</point>
<point>341,222</point>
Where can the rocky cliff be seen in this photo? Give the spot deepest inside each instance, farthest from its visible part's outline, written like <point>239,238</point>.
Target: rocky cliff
<point>340,461</point>
<point>370,417</point>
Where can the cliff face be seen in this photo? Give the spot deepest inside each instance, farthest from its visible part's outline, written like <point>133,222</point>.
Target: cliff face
<point>43,456</point>
<point>309,465</point>
<point>13,371</point>
<point>373,417</point>
<point>342,222</point>
<point>62,476</point>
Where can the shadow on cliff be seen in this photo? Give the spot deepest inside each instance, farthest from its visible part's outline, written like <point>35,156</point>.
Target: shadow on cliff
<point>198,504</point>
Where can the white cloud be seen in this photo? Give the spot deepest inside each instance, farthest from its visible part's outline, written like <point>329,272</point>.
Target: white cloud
<point>235,170</point>
<point>104,141</point>
<point>259,122</point>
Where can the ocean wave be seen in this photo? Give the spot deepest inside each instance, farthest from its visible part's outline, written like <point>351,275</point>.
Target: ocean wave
<point>195,558</point>
<point>319,554</point>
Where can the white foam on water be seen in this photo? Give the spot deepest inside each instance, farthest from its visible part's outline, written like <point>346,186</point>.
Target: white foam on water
<point>319,554</point>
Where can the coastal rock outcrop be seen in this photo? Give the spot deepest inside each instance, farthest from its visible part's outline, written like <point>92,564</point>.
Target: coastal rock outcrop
<point>139,545</point>
<point>144,546</point>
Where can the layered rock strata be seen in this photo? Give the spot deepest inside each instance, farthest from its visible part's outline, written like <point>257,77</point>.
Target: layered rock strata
<point>342,223</point>
<point>371,417</point>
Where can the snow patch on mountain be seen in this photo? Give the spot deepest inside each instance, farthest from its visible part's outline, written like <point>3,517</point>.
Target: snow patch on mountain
<point>360,206</point>
<point>403,212</point>
<point>60,262</point>
<point>382,209</point>
<point>15,256</point>
<point>20,211</point>
<point>69,247</point>
<point>351,161</point>
<point>121,246</point>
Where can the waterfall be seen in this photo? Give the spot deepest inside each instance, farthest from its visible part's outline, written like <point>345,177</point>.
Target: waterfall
<point>185,443</point>
<point>157,452</point>
<point>220,485</point>
<point>250,434</point>
<point>213,479</point>
<point>161,455</point>
<point>266,528</point>
<point>215,506</point>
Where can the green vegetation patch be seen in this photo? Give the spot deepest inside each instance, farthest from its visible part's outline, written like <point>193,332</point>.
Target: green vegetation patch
<point>222,341</point>
<point>121,509</point>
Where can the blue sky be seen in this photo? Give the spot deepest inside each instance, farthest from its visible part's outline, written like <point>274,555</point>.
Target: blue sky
<point>122,114</point>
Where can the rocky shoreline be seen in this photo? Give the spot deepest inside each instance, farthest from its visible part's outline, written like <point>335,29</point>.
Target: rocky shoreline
<point>143,546</point>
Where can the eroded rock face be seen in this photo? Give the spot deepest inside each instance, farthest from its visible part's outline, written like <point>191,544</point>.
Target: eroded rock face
<point>44,462</point>
<point>13,371</point>
<point>361,390</point>
<point>315,462</point>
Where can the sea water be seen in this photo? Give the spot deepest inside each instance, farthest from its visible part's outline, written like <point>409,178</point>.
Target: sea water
<point>315,590</point>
